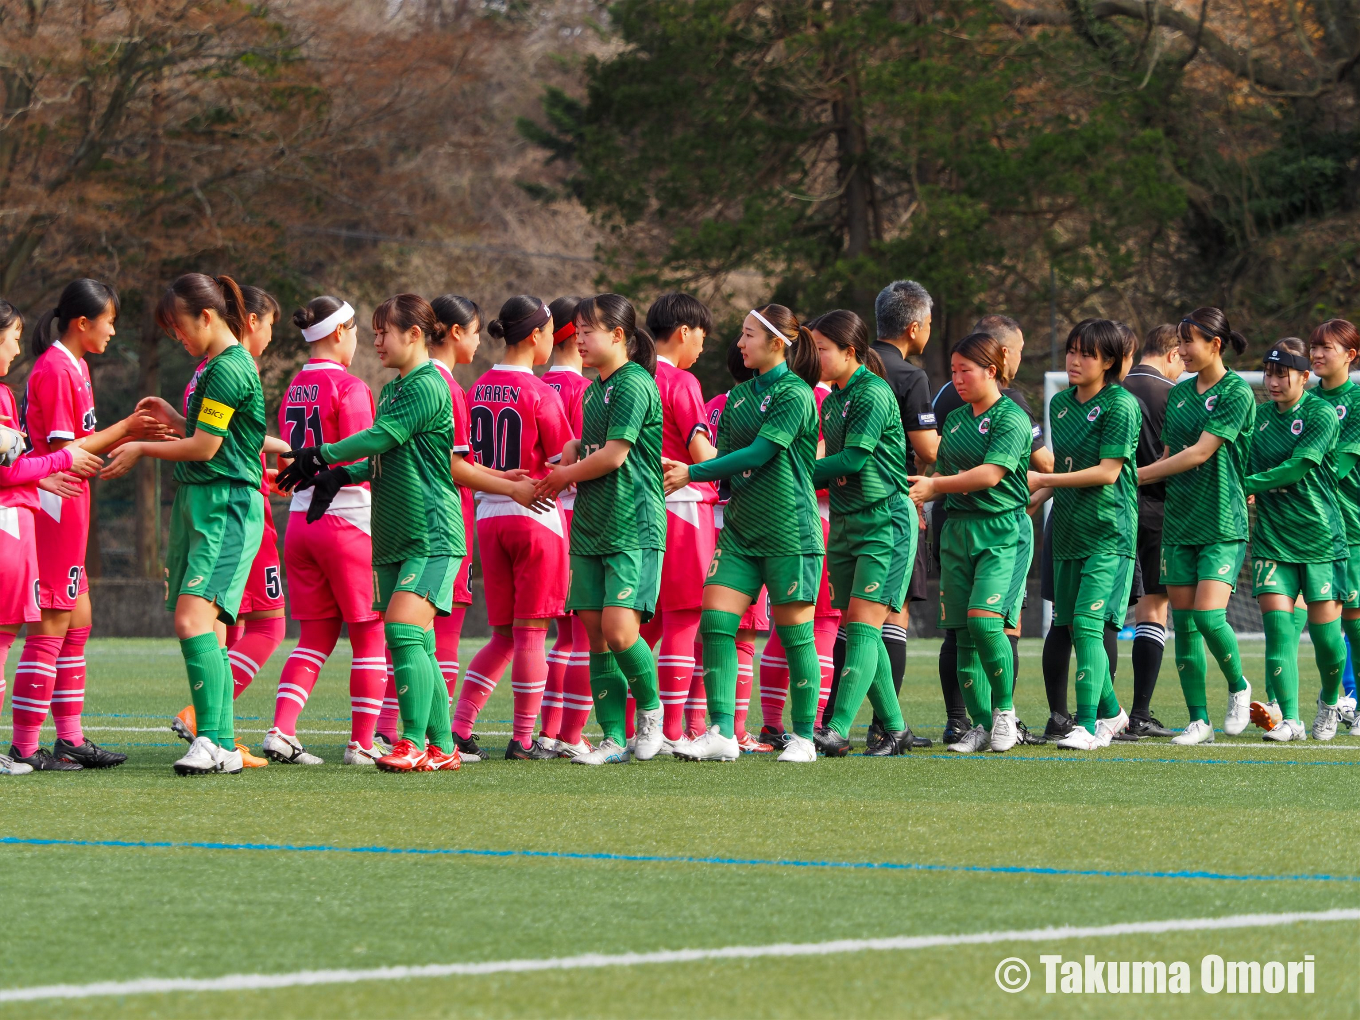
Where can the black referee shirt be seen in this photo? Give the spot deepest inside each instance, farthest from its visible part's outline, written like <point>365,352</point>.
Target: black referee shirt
<point>1151,388</point>
<point>911,386</point>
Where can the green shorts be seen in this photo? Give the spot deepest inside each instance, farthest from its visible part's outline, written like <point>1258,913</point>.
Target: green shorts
<point>1352,588</point>
<point>871,553</point>
<point>630,578</point>
<point>792,578</point>
<point>1189,564</point>
<point>983,565</point>
<point>1097,586</point>
<point>1316,582</point>
<point>430,577</point>
<point>215,532</point>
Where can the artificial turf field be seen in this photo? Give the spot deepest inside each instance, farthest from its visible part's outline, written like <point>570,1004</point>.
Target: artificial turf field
<point>705,856</point>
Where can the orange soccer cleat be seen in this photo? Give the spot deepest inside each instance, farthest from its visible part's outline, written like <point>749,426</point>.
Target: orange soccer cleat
<point>405,757</point>
<point>749,743</point>
<point>1266,715</point>
<point>185,725</point>
<point>250,761</point>
<point>437,761</point>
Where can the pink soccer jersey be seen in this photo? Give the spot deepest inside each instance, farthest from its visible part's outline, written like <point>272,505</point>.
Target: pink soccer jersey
<point>683,416</point>
<point>462,443</point>
<point>18,501</point>
<point>571,386</point>
<point>60,406</point>
<point>518,421</point>
<point>690,535</point>
<point>821,391</point>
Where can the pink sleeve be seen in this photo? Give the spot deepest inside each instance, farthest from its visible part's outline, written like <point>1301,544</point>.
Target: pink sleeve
<point>553,428</point>
<point>356,409</point>
<point>58,401</point>
<point>31,468</point>
<point>688,410</point>
<point>462,423</point>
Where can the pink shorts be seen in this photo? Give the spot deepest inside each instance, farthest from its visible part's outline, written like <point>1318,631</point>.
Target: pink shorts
<point>462,586</point>
<point>524,569</point>
<point>264,586</point>
<point>61,551</point>
<point>330,569</point>
<point>19,556</point>
<point>824,592</point>
<point>690,540</point>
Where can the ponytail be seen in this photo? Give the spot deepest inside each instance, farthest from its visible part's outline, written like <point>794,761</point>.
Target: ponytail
<point>847,331</point>
<point>1213,324</point>
<point>194,293</point>
<point>406,312</point>
<point>520,317</point>
<point>614,311</point>
<point>84,297</point>
<point>800,350</point>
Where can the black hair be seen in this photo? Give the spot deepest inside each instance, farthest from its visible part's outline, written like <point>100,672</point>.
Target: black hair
<point>614,311</point>
<point>317,310</point>
<point>847,331</point>
<point>736,364</point>
<point>84,297</point>
<point>563,311</point>
<point>984,350</point>
<point>195,293</point>
<point>802,349</point>
<point>406,311</point>
<point>671,311</point>
<point>1213,324</point>
<point>456,310</point>
<point>9,315</point>
<point>515,311</point>
<point>1101,338</point>
<point>260,302</point>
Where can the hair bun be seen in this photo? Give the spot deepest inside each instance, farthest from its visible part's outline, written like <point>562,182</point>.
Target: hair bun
<point>495,329</point>
<point>302,318</point>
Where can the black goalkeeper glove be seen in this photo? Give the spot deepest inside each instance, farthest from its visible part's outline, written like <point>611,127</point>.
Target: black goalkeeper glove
<point>307,463</point>
<point>324,487</point>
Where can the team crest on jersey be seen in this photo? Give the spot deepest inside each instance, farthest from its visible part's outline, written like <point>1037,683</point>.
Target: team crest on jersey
<point>1095,413</point>
<point>764,404</point>
<point>87,422</point>
<point>845,411</point>
<point>1296,426</point>
<point>608,390</point>
<point>1210,402</point>
<point>985,426</point>
<point>1341,411</point>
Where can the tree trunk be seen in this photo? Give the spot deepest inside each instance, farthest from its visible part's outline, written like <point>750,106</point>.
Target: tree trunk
<point>148,471</point>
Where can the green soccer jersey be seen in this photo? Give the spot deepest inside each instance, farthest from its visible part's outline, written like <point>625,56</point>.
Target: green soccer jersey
<point>417,511</point>
<point>625,509</point>
<point>228,402</point>
<point>1299,523</point>
<point>1346,399</point>
<point>1206,504</point>
<point>864,416</point>
<point>999,435</point>
<point>1097,518</point>
<point>773,509</point>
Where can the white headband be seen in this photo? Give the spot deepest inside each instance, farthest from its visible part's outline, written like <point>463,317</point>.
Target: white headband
<point>770,326</point>
<point>327,325</point>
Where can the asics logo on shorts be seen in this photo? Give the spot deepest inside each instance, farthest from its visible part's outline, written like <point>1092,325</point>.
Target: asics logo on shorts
<point>792,588</point>
<point>1224,569</point>
<point>194,582</point>
<point>408,578</point>
<point>993,599</point>
<point>1350,595</point>
<point>871,588</point>
<point>1326,588</point>
<point>1095,606</point>
<point>625,593</point>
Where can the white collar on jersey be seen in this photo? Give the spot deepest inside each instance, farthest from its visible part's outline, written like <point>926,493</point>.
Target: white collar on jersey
<point>67,351</point>
<point>512,368</point>
<point>566,368</point>
<point>662,357</point>
<point>311,365</point>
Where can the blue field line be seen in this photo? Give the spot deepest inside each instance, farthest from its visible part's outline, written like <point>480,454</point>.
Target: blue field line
<point>1102,760</point>
<point>745,862</point>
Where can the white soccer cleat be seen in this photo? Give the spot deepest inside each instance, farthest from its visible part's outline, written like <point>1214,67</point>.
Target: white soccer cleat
<point>1345,710</point>
<point>649,737</point>
<point>1325,722</point>
<point>608,753</point>
<point>229,762</point>
<point>1197,732</point>
<point>1239,711</point>
<point>382,746</point>
<point>1266,714</point>
<point>10,767</point>
<point>709,746</point>
<point>200,759</point>
<point>799,749</point>
<point>548,744</point>
<point>974,740</point>
<point>357,754</point>
<point>669,747</point>
<point>1107,728</point>
<point>1289,729</point>
<point>1004,734</point>
<point>565,750</point>
<point>278,746</point>
<point>1080,739</point>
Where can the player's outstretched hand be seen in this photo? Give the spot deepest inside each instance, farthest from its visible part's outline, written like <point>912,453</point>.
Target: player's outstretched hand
<point>63,484</point>
<point>922,490</point>
<point>676,474</point>
<point>547,487</point>
<point>122,461</point>
<point>83,462</point>
<point>307,463</point>
<point>324,486</point>
<point>160,410</point>
<point>527,495</point>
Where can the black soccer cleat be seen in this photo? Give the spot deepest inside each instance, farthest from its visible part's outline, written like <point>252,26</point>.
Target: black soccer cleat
<point>42,760</point>
<point>777,739</point>
<point>1024,736</point>
<point>1058,726</point>
<point>913,741</point>
<point>875,733</point>
<point>87,754</point>
<point>469,748</point>
<point>830,743</point>
<point>955,730</point>
<point>891,743</point>
<point>1148,727</point>
<point>515,751</point>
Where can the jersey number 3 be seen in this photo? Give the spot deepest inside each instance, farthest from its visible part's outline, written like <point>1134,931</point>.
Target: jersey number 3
<point>495,440</point>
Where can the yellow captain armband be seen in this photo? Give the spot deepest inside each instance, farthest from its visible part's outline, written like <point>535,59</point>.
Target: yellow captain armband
<point>215,414</point>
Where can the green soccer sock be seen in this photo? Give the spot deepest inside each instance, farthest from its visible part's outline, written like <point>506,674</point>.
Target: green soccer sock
<point>998,661</point>
<point>610,690</point>
<point>718,632</point>
<point>226,709</point>
<point>1088,639</point>
<point>411,669</point>
<point>883,692</point>
<point>438,729</point>
<point>1282,657</point>
<point>203,663</point>
<point>1222,644</point>
<point>1329,652</point>
<point>977,692</point>
<point>862,645</point>
<point>639,667</point>
<point>1190,663</point>
<point>805,676</point>
<point>1300,620</point>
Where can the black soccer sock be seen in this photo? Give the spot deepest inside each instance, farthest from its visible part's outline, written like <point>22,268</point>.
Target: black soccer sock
<point>1149,641</point>
<point>895,641</point>
<point>1112,648</point>
<point>1057,660</point>
<point>1015,662</point>
<point>949,677</point>
<point>837,664</point>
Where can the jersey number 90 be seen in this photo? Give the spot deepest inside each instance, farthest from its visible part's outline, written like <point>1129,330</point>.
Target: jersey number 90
<point>496,439</point>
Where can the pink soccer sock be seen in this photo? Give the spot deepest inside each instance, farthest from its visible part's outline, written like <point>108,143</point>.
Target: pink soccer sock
<point>479,680</point>
<point>367,679</point>
<point>528,676</point>
<point>675,663</point>
<point>559,658</point>
<point>774,683</point>
<point>234,634</point>
<point>746,655</point>
<point>34,678</point>
<point>824,630</point>
<point>577,698</point>
<point>6,639</point>
<point>68,694</point>
<point>696,703</point>
<point>300,671</point>
<point>389,719</point>
<point>253,649</point>
<point>447,632</point>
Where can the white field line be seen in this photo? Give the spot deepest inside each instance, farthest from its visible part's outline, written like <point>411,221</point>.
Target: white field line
<point>592,961</point>
<point>242,729</point>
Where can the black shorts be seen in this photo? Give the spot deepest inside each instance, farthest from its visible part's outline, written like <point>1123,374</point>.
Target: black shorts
<point>1147,576</point>
<point>916,587</point>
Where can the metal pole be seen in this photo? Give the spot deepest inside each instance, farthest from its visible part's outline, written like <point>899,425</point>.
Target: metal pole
<point>1052,317</point>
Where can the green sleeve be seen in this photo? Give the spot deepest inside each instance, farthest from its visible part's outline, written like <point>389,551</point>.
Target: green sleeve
<point>1298,465</point>
<point>1008,443</point>
<point>221,392</point>
<point>628,411</point>
<point>368,443</point>
<point>361,471</point>
<point>867,419</point>
<point>1119,435</point>
<point>756,455</point>
<point>1345,460</point>
<point>788,415</point>
<point>849,461</point>
<point>1233,414</point>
